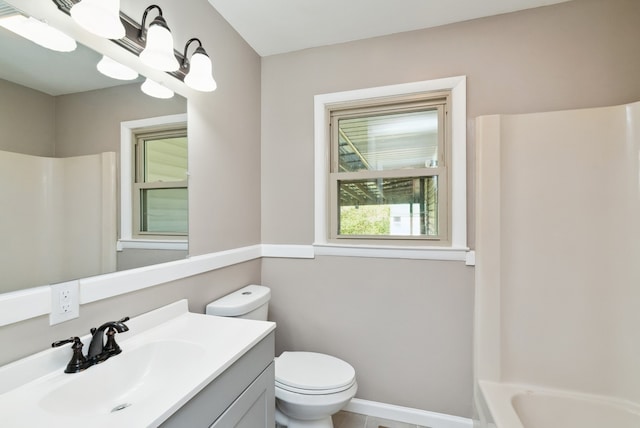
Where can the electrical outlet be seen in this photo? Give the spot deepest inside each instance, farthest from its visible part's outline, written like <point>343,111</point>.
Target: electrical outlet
<point>64,302</point>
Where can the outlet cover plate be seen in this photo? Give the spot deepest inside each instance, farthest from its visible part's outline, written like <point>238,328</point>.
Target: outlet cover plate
<point>64,302</point>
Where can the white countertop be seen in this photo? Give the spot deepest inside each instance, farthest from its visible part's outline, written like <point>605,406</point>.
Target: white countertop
<point>168,356</point>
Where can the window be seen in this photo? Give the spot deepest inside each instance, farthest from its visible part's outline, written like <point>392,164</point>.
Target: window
<point>154,183</point>
<point>388,177</point>
<point>160,197</point>
<point>390,171</point>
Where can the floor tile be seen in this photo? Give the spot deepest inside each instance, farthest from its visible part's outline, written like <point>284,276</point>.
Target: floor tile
<point>384,423</point>
<point>348,420</point>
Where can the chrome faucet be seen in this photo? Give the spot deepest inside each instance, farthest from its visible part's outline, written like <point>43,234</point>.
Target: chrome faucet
<point>99,351</point>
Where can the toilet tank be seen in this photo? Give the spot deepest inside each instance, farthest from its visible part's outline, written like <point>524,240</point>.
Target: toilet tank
<point>250,302</point>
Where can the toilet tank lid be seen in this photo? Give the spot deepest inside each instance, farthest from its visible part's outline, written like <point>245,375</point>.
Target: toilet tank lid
<point>240,302</point>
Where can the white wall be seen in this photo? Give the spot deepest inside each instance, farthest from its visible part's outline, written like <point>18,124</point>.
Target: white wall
<point>562,269</point>
<point>48,235</point>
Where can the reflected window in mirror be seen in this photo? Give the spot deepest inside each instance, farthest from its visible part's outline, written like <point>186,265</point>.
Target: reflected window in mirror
<point>160,188</point>
<point>154,183</point>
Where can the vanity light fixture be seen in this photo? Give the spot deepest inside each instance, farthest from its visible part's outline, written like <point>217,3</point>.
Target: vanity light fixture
<point>158,51</point>
<point>154,47</point>
<point>200,75</point>
<point>38,32</point>
<point>115,70</point>
<point>99,17</point>
<point>155,89</point>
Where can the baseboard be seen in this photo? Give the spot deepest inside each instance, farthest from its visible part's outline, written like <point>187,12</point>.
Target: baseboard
<point>407,415</point>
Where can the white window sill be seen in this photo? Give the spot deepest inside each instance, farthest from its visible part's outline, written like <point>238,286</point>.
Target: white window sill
<point>392,252</point>
<point>153,244</point>
<point>386,252</point>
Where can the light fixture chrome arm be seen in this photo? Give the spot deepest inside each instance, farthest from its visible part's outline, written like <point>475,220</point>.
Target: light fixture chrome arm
<point>141,33</point>
<point>185,59</point>
<point>158,52</point>
<point>200,75</point>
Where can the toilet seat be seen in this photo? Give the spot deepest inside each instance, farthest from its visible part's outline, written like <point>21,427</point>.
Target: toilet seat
<point>311,373</point>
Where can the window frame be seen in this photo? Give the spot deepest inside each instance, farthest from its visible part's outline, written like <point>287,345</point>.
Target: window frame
<point>439,101</point>
<point>139,184</point>
<point>456,247</point>
<point>128,238</point>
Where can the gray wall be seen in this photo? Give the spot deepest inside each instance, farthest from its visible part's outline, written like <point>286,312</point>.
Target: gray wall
<point>577,54</point>
<point>27,120</point>
<point>39,124</point>
<point>89,122</point>
<point>404,325</point>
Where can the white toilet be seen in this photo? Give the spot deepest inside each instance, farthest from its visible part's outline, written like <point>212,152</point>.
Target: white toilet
<point>310,387</point>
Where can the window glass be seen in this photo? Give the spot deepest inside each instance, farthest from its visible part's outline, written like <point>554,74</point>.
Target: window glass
<point>389,207</point>
<point>389,141</point>
<point>164,210</point>
<point>388,175</point>
<point>160,191</point>
<point>165,159</point>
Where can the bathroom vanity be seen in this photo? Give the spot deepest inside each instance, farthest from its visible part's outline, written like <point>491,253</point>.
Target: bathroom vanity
<point>176,369</point>
<point>240,397</point>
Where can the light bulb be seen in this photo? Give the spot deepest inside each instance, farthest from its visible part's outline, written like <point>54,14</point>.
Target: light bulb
<point>200,75</point>
<point>39,33</point>
<point>156,90</point>
<point>158,52</point>
<point>99,17</point>
<point>115,70</point>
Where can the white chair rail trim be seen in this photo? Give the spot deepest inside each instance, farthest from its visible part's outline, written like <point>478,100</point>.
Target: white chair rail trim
<point>25,304</point>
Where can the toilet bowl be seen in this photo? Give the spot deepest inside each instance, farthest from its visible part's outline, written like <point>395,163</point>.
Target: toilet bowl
<point>310,387</point>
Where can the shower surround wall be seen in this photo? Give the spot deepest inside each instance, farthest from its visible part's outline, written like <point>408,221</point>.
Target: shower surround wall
<point>558,241</point>
<point>60,222</point>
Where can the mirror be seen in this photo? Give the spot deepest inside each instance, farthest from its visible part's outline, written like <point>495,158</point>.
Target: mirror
<point>56,105</point>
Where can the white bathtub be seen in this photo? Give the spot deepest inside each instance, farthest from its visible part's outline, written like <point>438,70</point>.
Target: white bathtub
<point>521,406</point>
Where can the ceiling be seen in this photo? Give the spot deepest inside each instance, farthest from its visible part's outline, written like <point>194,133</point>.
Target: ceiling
<point>278,26</point>
<point>270,27</point>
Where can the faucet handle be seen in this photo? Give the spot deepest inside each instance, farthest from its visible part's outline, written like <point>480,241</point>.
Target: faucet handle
<point>111,347</point>
<point>78,361</point>
<point>75,340</point>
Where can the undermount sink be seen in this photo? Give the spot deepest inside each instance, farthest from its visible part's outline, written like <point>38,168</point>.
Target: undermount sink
<point>125,380</point>
<point>168,356</point>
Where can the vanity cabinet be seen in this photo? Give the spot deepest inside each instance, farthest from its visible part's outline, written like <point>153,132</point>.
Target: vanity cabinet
<point>243,396</point>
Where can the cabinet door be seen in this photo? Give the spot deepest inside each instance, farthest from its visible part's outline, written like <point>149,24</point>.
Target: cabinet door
<point>255,408</point>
